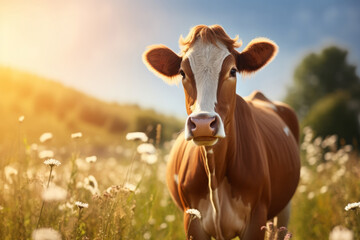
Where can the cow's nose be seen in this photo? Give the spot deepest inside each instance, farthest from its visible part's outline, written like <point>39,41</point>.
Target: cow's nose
<point>203,125</point>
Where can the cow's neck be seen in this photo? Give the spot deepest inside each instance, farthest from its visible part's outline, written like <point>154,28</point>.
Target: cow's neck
<point>220,155</point>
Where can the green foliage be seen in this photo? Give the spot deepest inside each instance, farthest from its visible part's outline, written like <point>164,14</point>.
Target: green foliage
<point>329,181</point>
<point>318,75</point>
<point>335,114</point>
<point>326,94</point>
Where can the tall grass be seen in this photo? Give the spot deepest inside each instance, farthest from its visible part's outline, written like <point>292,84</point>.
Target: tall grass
<point>330,179</point>
<point>120,206</point>
<point>127,197</point>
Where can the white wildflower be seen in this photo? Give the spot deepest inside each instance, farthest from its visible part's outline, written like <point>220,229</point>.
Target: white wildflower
<point>152,221</point>
<point>52,162</point>
<point>163,225</point>
<point>34,147</point>
<point>328,156</point>
<point>91,184</point>
<point>54,193</point>
<point>9,172</point>
<point>307,130</point>
<point>329,141</point>
<point>343,158</point>
<point>46,137</point>
<point>79,185</point>
<point>46,154</point>
<point>320,168</point>
<point>310,150</point>
<point>312,160</point>
<point>194,212</point>
<point>146,148</point>
<point>324,189</point>
<point>305,174</point>
<point>81,204</point>
<point>338,174</point>
<point>91,159</point>
<point>170,218</point>
<point>352,206</point>
<point>341,233</point>
<point>164,202</point>
<point>318,141</point>
<point>149,158</point>
<point>21,119</point>
<point>45,234</point>
<point>136,136</point>
<point>147,235</point>
<point>308,134</point>
<point>311,195</point>
<point>131,187</point>
<point>76,135</point>
<point>302,188</point>
<point>348,148</point>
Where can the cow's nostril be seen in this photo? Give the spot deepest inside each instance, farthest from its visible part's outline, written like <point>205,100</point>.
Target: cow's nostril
<point>213,124</point>
<point>191,124</point>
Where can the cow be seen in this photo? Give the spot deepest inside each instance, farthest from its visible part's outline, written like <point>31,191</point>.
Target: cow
<point>237,161</point>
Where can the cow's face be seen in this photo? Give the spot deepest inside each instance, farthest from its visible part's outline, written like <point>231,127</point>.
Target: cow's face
<point>208,74</point>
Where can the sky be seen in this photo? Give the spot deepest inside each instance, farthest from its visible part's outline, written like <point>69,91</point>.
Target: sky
<point>96,46</point>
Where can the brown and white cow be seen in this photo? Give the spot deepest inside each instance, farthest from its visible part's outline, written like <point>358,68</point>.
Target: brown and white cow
<point>237,161</point>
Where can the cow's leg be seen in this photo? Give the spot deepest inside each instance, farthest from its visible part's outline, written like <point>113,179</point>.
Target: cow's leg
<point>284,216</point>
<point>258,219</point>
<point>283,219</point>
<point>193,228</point>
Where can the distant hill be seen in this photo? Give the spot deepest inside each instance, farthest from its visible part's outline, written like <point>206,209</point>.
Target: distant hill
<point>49,106</point>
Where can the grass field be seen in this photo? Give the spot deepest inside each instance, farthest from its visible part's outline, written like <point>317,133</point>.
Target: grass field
<point>123,181</point>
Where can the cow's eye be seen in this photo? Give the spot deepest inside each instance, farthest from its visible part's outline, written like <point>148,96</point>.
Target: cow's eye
<point>182,73</point>
<point>233,72</point>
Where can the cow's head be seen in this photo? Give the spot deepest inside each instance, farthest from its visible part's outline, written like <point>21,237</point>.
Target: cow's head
<point>207,68</point>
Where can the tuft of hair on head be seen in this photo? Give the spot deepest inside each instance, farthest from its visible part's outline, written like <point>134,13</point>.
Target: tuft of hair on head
<point>208,34</point>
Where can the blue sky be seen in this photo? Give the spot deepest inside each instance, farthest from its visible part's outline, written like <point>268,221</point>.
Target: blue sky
<point>96,46</point>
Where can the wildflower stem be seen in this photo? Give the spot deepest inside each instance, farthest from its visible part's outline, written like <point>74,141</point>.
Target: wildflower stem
<point>51,168</point>
<point>43,202</point>
<point>188,228</point>
<point>129,170</point>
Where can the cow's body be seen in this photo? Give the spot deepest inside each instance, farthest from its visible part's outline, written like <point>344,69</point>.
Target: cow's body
<point>257,166</point>
<point>238,159</point>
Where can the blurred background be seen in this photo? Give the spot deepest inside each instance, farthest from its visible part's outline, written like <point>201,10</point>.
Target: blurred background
<point>76,66</point>
<point>96,49</point>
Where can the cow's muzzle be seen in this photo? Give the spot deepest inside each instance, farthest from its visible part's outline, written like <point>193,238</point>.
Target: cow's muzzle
<point>204,128</point>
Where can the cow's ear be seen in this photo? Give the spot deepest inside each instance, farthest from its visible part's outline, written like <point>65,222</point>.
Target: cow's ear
<point>257,54</point>
<point>163,62</point>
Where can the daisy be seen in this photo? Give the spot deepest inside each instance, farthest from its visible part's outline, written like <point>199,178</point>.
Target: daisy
<point>194,212</point>
<point>46,137</point>
<point>81,205</point>
<point>135,136</point>
<point>52,162</point>
<point>76,135</point>
<point>352,206</point>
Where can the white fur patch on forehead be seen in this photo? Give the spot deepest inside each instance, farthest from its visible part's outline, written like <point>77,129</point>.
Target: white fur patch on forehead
<point>206,60</point>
